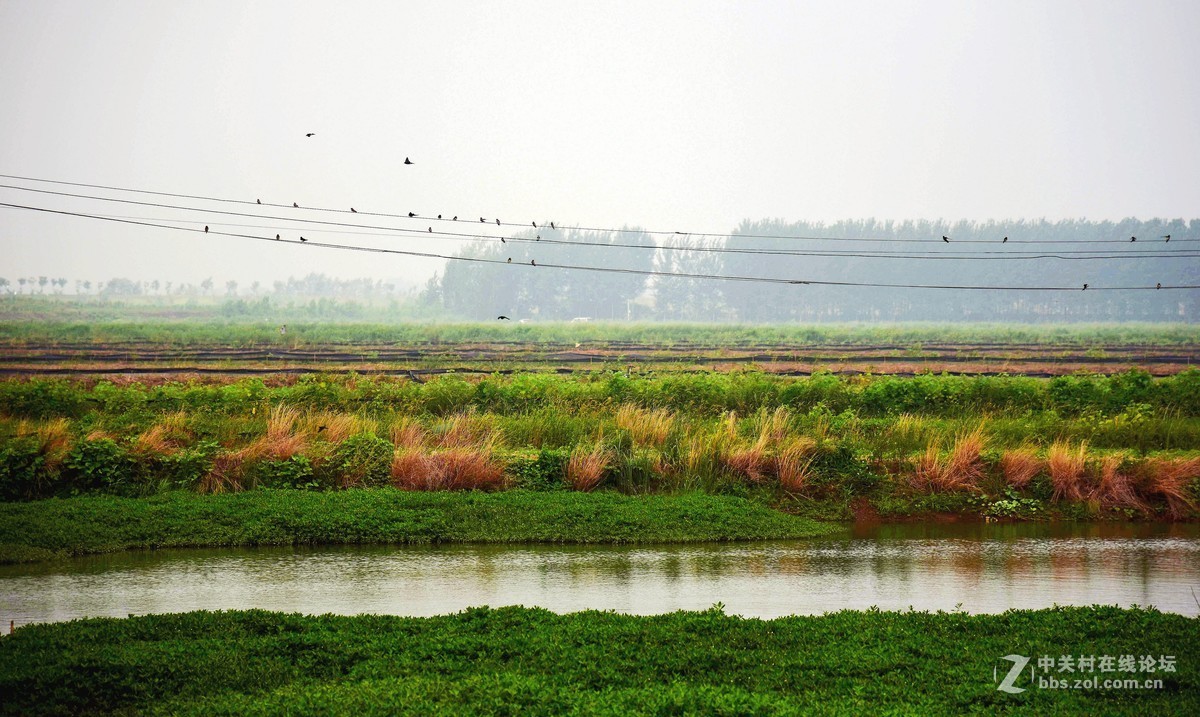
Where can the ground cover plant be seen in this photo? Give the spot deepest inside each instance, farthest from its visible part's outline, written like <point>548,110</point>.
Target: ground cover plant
<point>99,523</point>
<point>531,661</point>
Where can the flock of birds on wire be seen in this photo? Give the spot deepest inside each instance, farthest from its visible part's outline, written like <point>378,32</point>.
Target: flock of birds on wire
<point>412,215</point>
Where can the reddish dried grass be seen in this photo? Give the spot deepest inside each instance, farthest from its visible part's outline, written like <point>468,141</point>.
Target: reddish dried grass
<point>794,466</point>
<point>752,463</point>
<point>585,469</point>
<point>960,470</point>
<point>455,469</point>
<point>1020,466</point>
<point>1169,479</point>
<point>1115,489</point>
<point>1068,470</point>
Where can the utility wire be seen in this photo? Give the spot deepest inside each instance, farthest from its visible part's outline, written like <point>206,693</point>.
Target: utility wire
<point>579,228</point>
<point>1182,252</point>
<point>641,272</point>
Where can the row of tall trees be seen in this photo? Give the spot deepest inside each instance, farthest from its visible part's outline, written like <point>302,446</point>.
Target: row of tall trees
<point>638,275</point>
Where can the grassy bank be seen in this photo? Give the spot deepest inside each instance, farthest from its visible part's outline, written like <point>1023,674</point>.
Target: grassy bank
<point>95,524</point>
<point>533,662</point>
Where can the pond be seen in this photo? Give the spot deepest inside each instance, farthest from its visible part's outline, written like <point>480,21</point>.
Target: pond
<point>977,568</point>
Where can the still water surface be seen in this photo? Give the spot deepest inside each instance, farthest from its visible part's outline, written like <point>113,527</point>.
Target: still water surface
<point>979,568</point>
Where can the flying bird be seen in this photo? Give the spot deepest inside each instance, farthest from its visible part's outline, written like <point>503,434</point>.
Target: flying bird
<point>945,238</point>
<point>407,160</point>
<point>310,134</point>
<point>503,318</point>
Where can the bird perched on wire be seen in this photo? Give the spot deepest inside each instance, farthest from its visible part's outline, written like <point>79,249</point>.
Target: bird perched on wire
<point>481,220</point>
<point>502,240</point>
<point>1005,240</point>
<point>303,239</point>
<point>407,160</point>
<point>276,237</point>
<point>1132,239</point>
<point>552,225</point>
<point>535,225</point>
<point>205,228</point>
<point>1158,286</point>
<point>411,215</point>
<point>497,222</point>
<point>1085,287</point>
<point>258,200</point>
<point>430,230</point>
<point>439,216</point>
<point>503,318</point>
<point>310,134</point>
<point>296,206</point>
<point>353,210</point>
<point>532,262</point>
<point>455,218</point>
<point>1167,237</point>
<point>509,260</point>
<point>945,238</point>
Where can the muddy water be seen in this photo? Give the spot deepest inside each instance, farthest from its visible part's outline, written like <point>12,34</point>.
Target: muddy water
<point>977,568</point>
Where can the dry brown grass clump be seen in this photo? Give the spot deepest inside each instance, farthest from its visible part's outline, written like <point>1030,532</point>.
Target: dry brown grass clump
<point>960,470</point>
<point>1020,466</point>
<point>283,438</point>
<point>752,462</point>
<point>794,465</point>
<point>407,432</point>
<point>454,469</point>
<point>465,431</point>
<point>585,468</point>
<point>1068,470</point>
<point>773,428</point>
<point>1168,478</point>
<point>54,440</point>
<point>225,474</point>
<point>335,427</point>
<point>1115,489</point>
<point>646,427</point>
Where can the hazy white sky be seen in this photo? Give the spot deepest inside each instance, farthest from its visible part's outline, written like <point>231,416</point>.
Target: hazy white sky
<point>682,116</point>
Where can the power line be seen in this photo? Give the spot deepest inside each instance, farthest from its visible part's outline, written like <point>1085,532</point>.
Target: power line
<point>1173,253</point>
<point>579,228</point>
<point>641,272</point>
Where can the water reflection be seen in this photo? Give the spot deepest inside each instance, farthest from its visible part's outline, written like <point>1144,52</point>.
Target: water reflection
<point>983,568</point>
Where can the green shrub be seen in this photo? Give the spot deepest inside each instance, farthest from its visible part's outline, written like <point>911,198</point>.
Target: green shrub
<point>295,472</point>
<point>546,472</point>
<point>102,464</point>
<point>23,471</point>
<point>363,459</point>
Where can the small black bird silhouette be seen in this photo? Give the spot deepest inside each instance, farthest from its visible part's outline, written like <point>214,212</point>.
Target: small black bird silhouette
<point>321,428</point>
<point>509,260</point>
<point>411,215</point>
<point>205,228</point>
<point>258,200</point>
<point>455,218</point>
<point>407,160</point>
<point>276,237</point>
<point>430,230</point>
<point>1167,237</point>
<point>1158,286</point>
<point>439,216</point>
<point>497,222</point>
<point>482,219</point>
<point>1085,287</point>
<point>502,240</point>
<point>303,239</point>
<point>1005,240</point>
<point>353,210</point>
<point>552,225</point>
<point>310,134</point>
<point>946,239</point>
<point>297,206</point>
<point>503,318</point>
<point>1132,239</point>
<point>539,237</point>
<point>535,225</point>
<point>534,263</point>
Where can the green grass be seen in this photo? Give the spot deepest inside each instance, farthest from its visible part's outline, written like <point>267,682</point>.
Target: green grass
<point>97,524</point>
<point>534,662</point>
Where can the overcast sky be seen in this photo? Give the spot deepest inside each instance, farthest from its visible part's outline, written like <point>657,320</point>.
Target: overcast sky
<point>688,116</point>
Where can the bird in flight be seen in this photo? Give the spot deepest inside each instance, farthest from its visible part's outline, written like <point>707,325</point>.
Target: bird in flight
<point>1167,237</point>
<point>310,134</point>
<point>945,238</point>
<point>1005,240</point>
<point>503,318</point>
<point>407,160</point>
<point>205,228</point>
<point>353,210</point>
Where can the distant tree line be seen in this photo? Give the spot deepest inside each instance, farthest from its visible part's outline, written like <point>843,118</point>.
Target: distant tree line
<point>510,284</point>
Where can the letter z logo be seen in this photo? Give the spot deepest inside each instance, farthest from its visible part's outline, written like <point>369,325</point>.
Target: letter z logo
<point>1019,662</point>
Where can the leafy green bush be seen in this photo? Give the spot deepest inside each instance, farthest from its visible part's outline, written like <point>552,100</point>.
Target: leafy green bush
<point>295,472</point>
<point>23,471</point>
<point>102,464</point>
<point>546,472</point>
<point>363,459</point>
